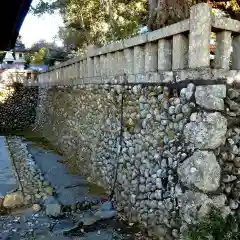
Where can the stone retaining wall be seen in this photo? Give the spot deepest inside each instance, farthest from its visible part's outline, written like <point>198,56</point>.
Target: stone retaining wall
<point>151,109</point>
<point>180,145</point>
<point>17,107</point>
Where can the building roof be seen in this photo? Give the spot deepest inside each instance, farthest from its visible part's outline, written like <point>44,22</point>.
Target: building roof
<point>11,19</point>
<point>19,47</point>
<point>36,67</point>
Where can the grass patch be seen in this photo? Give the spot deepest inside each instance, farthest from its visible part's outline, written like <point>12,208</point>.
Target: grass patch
<point>38,140</point>
<point>215,227</point>
<point>171,134</point>
<point>35,137</point>
<point>95,189</point>
<point>72,165</point>
<point>74,170</point>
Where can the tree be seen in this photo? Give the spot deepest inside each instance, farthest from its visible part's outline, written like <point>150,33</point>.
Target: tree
<point>53,54</point>
<point>38,45</point>
<point>49,7</point>
<point>166,12</point>
<point>231,7</point>
<point>102,21</point>
<point>38,57</point>
<point>43,52</point>
<point>97,21</point>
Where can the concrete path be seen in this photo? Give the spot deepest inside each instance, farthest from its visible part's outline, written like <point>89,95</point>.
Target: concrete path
<point>70,189</point>
<point>94,223</point>
<point>8,182</point>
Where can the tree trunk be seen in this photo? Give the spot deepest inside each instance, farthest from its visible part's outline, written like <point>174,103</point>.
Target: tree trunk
<point>152,6</point>
<point>165,12</point>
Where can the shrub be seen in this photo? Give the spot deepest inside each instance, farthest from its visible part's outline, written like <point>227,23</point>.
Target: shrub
<point>215,227</point>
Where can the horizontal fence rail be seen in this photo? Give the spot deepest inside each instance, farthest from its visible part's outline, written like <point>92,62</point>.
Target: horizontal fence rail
<point>180,46</point>
<point>26,77</point>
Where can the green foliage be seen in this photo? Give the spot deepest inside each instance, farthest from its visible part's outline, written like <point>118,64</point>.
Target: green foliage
<point>2,94</point>
<point>95,189</point>
<point>96,21</point>
<point>99,22</point>
<point>231,6</point>
<point>46,6</point>
<point>54,54</point>
<point>2,55</point>
<point>92,22</point>
<point>35,137</point>
<point>38,57</point>
<point>46,53</point>
<point>214,226</point>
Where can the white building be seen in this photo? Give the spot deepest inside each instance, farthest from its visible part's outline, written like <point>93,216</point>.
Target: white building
<point>15,58</point>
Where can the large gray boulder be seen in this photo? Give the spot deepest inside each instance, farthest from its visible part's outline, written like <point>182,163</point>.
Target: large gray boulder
<point>201,170</point>
<point>189,203</point>
<point>53,208</point>
<point>206,130</point>
<point>211,96</point>
<point>195,205</point>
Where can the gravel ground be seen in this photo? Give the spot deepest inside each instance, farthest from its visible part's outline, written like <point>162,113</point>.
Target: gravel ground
<point>32,222</point>
<point>28,224</point>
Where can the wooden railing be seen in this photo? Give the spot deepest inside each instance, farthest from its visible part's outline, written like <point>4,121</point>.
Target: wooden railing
<point>183,45</point>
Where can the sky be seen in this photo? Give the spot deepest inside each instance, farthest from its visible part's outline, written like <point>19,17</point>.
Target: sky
<point>36,28</point>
